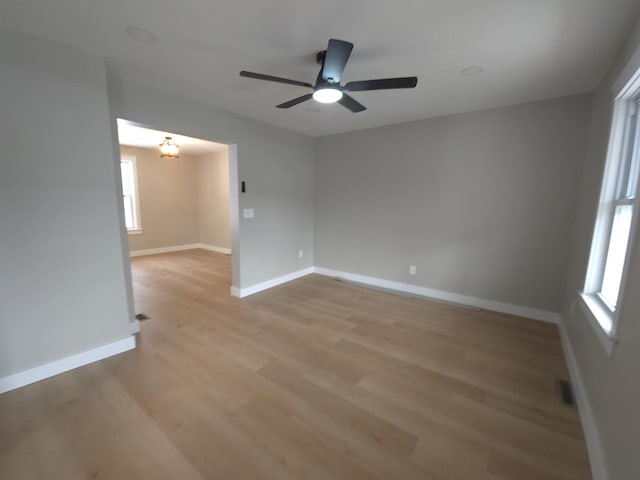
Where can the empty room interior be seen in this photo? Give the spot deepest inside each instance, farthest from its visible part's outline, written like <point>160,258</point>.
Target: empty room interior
<point>320,240</point>
<point>182,195</point>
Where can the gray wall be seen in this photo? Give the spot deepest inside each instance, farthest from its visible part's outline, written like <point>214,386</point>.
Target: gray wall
<point>64,279</point>
<point>167,189</point>
<point>611,383</point>
<point>482,203</point>
<point>212,186</point>
<point>62,274</point>
<point>276,165</point>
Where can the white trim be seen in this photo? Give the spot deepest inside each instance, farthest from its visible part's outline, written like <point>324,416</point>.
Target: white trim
<point>135,231</point>
<point>527,312</point>
<point>179,248</point>
<point>628,76</point>
<point>155,251</point>
<point>589,426</point>
<point>518,310</point>
<point>47,370</point>
<point>136,193</point>
<point>213,248</point>
<point>598,317</point>
<point>607,322</point>
<point>134,327</point>
<point>244,292</point>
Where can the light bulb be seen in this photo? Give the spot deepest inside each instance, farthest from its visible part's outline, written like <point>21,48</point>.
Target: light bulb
<point>168,149</point>
<point>327,95</point>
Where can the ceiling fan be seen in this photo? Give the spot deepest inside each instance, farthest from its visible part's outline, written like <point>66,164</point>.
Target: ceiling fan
<point>327,88</point>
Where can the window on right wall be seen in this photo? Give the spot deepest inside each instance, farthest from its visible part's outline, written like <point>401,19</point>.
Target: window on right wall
<point>617,215</point>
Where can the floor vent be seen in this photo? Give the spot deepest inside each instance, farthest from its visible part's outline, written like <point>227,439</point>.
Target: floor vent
<point>141,317</point>
<point>565,392</point>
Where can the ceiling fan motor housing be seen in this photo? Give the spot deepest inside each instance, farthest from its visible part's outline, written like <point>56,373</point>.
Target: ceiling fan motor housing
<point>321,82</point>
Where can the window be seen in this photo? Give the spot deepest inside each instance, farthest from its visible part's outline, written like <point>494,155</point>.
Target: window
<point>616,217</point>
<point>130,194</point>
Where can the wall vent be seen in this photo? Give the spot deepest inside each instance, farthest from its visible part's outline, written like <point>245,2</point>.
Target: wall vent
<point>565,392</point>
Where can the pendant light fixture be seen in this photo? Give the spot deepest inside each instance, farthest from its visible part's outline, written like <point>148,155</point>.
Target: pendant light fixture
<point>168,149</point>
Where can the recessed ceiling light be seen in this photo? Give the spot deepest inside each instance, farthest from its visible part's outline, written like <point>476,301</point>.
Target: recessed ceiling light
<point>471,71</point>
<point>140,34</point>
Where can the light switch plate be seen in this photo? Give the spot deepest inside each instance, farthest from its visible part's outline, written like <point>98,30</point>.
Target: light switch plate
<point>247,212</point>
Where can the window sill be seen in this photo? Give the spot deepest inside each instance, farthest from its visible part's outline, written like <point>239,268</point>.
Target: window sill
<point>136,231</point>
<point>601,319</point>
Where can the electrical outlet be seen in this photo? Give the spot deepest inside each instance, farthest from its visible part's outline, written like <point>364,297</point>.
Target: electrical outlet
<point>412,269</point>
<point>300,253</point>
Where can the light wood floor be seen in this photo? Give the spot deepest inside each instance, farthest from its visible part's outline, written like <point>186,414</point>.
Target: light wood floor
<point>314,379</point>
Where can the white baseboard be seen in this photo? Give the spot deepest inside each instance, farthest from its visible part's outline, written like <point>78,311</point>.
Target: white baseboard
<point>36,374</point>
<point>533,313</point>
<point>179,248</point>
<point>213,248</point>
<point>589,427</point>
<point>155,251</point>
<point>518,310</point>
<point>244,292</point>
<point>134,327</point>
<point>527,312</point>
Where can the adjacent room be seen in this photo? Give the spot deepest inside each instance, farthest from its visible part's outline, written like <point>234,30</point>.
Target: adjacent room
<point>337,240</point>
<point>173,200</point>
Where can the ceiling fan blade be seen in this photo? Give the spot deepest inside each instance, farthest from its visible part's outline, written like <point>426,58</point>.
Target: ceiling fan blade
<point>349,103</point>
<point>335,60</point>
<point>270,78</point>
<point>295,101</point>
<point>382,84</point>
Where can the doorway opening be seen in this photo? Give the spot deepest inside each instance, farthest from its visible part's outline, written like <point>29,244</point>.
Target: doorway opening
<point>181,203</point>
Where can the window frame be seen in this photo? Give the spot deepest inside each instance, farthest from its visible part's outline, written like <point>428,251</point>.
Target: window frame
<point>604,318</point>
<point>137,228</point>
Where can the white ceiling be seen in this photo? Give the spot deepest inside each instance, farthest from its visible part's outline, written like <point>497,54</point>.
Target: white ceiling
<point>137,136</point>
<point>529,50</point>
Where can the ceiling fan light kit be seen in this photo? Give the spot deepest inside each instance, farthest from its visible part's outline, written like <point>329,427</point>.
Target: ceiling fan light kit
<point>327,95</point>
<point>327,88</point>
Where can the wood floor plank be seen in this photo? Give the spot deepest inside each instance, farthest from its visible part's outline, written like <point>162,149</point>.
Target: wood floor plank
<point>314,379</point>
